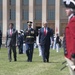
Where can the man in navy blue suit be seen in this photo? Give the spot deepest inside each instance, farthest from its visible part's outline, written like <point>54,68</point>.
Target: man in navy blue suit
<point>44,41</point>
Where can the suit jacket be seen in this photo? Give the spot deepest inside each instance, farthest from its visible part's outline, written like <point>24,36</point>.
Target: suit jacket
<point>57,39</point>
<point>0,37</point>
<point>11,39</point>
<point>43,39</point>
<point>70,38</point>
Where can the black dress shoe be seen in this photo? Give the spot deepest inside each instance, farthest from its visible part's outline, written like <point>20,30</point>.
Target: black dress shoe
<point>44,60</point>
<point>15,60</point>
<point>30,61</point>
<point>47,60</point>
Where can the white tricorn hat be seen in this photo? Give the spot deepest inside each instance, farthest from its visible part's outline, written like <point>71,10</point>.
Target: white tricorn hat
<point>69,3</point>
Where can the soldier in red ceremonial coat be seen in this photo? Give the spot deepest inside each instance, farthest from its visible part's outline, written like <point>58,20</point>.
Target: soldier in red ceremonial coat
<point>70,36</point>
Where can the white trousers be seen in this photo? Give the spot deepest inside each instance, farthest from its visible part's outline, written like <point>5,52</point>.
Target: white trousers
<point>57,47</point>
<point>70,65</point>
<point>24,48</point>
<point>40,51</point>
<point>54,46</point>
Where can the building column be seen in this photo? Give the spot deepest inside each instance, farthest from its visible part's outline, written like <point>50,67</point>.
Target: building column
<point>57,17</point>
<point>44,11</point>
<point>5,17</point>
<point>31,11</point>
<point>18,14</point>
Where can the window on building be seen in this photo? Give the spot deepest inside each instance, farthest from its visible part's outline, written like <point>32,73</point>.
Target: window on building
<point>12,2</point>
<point>25,26</point>
<point>25,2</point>
<point>38,2</point>
<point>51,14</point>
<point>14,25</point>
<point>0,2</point>
<point>12,14</point>
<point>51,2</point>
<point>61,2</point>
<point>25,14</point>
<point>38,14</point>
<point>0,14</point>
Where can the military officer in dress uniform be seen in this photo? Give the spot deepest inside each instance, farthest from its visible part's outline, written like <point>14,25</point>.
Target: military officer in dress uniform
<point>29,38</point>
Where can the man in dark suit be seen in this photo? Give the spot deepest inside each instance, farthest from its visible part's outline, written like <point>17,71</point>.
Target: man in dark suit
<point>44,41</point>
<point>11,41</point>
<point>29,38</point>
<point>0,38</point>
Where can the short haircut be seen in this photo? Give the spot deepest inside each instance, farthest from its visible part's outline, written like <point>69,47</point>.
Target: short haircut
<point>11,24</point>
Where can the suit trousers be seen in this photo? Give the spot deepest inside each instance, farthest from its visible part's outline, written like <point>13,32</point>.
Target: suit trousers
<point>29,51</point>
<point>70,64</point>
<point>45,52</point>
<point>10,49</point>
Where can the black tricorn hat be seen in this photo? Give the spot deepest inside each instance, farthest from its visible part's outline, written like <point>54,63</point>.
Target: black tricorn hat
<point>69,3</point>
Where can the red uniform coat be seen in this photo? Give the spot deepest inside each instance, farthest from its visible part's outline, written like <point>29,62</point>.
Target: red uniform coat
<point>70,37</point>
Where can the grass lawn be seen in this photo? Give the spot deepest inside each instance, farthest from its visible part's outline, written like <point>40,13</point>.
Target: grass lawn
<point>37,67</point>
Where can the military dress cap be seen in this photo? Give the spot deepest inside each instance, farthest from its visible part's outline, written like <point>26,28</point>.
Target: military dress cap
<point>69,3</point>
<point>21,31</point>
<point>29,21</point>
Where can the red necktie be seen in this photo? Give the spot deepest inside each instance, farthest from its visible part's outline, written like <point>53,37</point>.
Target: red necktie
<point>45,31</point>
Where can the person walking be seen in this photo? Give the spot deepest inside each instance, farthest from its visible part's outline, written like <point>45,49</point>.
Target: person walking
<point>11,42</point>
<point>45,41</point>
<point>29,39</point>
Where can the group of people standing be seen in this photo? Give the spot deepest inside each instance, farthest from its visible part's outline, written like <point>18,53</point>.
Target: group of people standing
<point>15,38</point>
